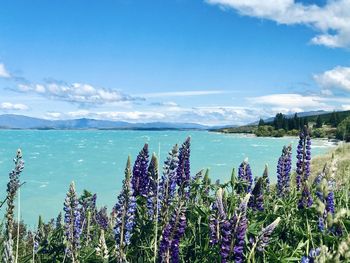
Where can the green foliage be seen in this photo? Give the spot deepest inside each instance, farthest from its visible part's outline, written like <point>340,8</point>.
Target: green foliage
<point>318,133</point>
<point>343,130</point>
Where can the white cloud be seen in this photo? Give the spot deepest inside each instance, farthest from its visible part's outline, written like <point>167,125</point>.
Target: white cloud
<point>291,101</point>
<point>76,93</point>
<point>134,116</point>
<point>53,115</point>
<point>165,104</point>
<point>181,93</point>
<point>338,77</point>
<point>13,106</point>
<point>331,21</point>
<point>3,72</point>
<point>345,107</point>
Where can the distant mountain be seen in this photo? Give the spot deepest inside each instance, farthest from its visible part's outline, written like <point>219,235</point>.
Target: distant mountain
<point>12,121</point>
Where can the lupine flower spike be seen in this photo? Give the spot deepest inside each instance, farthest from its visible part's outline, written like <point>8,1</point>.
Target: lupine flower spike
<point>167,184</point>
<point>233,233</point>
<point>284,167</point>
<point>183,169</point>
<point>303,168</point>
<point>102,249</point>
<point>72,223</point>
<point>125,214</point>
<point>171,236</point>
<point>245,177</point>
<point>152,187</point>
<point>12,188</point>
<point>140,179</point>
<point>256,201</point>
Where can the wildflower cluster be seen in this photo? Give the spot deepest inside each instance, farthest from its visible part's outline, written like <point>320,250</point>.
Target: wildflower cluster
<point>184,218</point>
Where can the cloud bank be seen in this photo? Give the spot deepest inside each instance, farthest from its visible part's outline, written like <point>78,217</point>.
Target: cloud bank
<point>331,21</point>
<point>76,93</point>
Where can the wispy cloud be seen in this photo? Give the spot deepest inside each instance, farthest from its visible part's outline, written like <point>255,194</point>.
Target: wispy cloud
<point>8,106</point>
<point>132,116</point>
<point>165,104</point>
<point>331,21</point>
<point>338,78</point>
<point>290,103</point>
<point>181,93</point>
<point>76,93</point>
<point>3,71</point>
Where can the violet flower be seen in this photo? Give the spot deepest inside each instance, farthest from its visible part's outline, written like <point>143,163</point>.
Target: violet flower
<point>226,239</point>
<point>171,236</point>
<point>245,177</point>
<point>303,168</point>
<point>102,218</point>
<point>183,169</point>
<point>167,184</point>
<point>303,157</point>
<point>214,226</point>
<point>283,171</point>
<point>72,222</point>
<point>256,201</point>
<point>125,212</point>
<point>140,178</point>
<point>152,187</point>
<point>240,231</point>
<point>233,233</point>
<point>265,236</point>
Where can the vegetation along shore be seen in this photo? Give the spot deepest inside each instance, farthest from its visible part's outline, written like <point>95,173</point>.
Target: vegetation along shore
<point>333,125</point>
<point>174,215</point>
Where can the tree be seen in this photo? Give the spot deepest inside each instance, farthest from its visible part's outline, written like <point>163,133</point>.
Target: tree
<point>334,119</point>
<point>278,121</point>
<point>261,122</point>
<point>343,130</point>
<point>319,122</point>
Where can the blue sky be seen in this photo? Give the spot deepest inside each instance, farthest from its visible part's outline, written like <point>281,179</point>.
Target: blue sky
<point>213,62</point>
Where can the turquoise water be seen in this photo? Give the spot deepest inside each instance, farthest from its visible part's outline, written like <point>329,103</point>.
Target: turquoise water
<point>95,160</point>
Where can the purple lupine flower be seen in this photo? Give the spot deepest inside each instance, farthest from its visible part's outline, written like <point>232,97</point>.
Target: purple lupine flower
<point>125,212</point>
<point>313,254</point>
<point>264,237</point>
<point>240,230</point>
<point>102,218</point>
<point>306,199</point>
<point>183,170</point>
<point>171,236</point>
<point>167,184</point>
<point>330,203</point>
<point>214,226</point>
<point>178,234</point>
<point>245,176</point>
<point>140,178</point>
<point>233,233</point>
<point>326,197</point>
<point>226,239</point>
<point>152,187</point>
<point>72,222</point>
<point>303,157</point>
<point>284,167</point>
<point>256,201</point>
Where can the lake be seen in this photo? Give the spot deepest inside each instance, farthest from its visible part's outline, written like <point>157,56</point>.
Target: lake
<point>95,160</point>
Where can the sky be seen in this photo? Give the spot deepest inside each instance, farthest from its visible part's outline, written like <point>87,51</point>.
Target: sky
<point>214,62</point>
